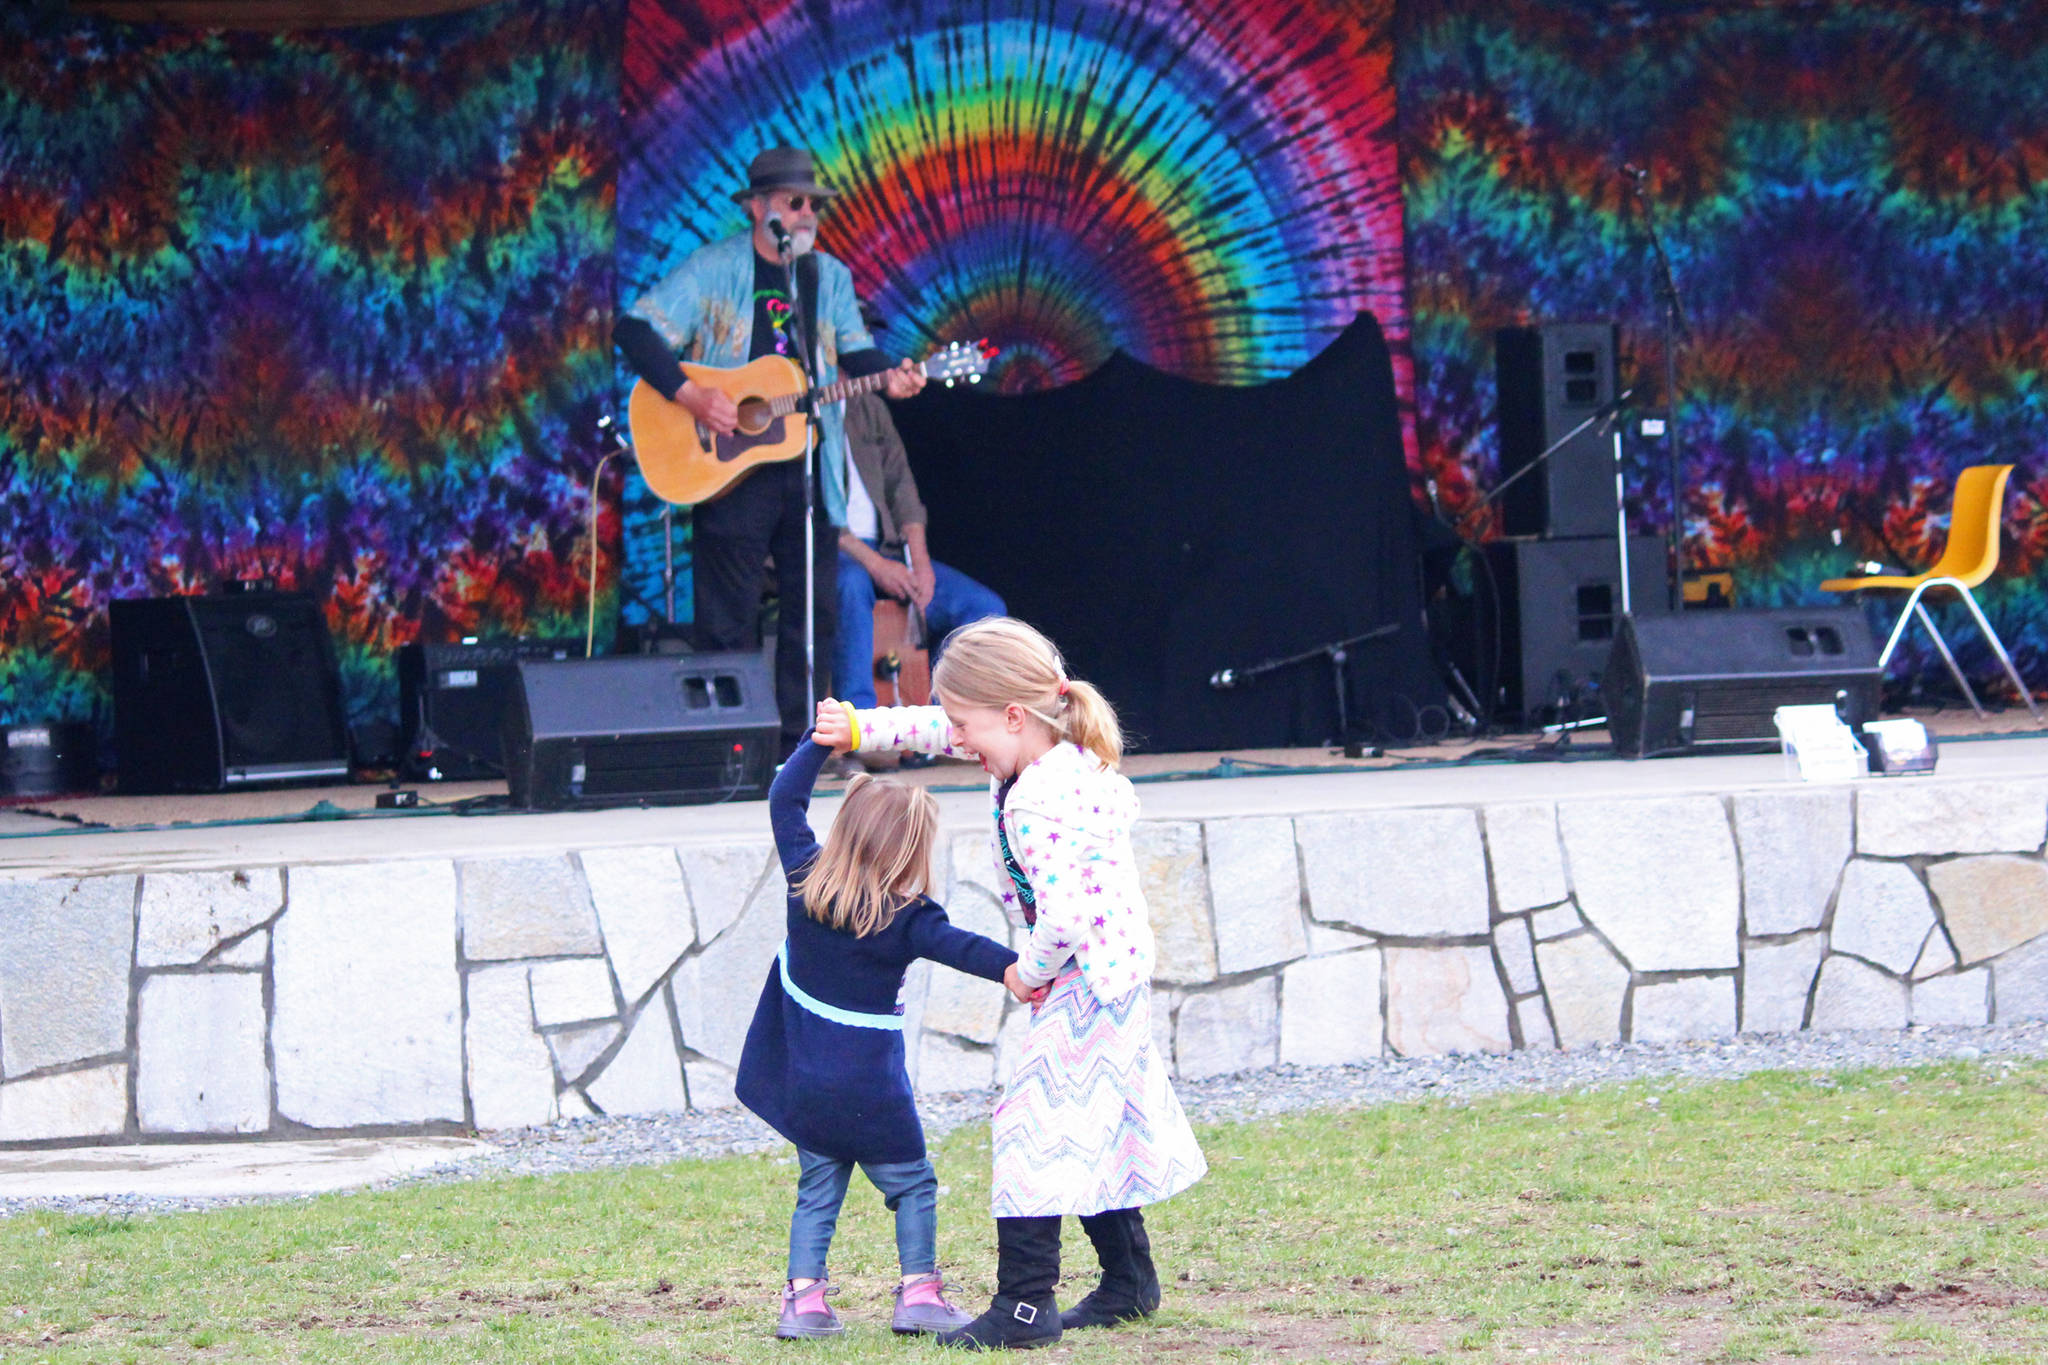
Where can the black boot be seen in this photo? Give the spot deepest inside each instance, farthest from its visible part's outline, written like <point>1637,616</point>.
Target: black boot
<point>1022,1314</point>
<point>1130,1285</point>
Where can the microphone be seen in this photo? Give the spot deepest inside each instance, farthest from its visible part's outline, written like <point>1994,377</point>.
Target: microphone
<point>781,235</point>
<point>1223,679</point>
<point>1435,507</point>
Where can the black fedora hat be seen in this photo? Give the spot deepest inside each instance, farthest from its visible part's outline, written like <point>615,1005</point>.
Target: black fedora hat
<point>784,168</point>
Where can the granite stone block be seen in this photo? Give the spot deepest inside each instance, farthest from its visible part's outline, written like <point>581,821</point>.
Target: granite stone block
<point>1255,891</point>
<point>1658,877</point>
<point>367,1022</point>
<point>1444,1000</point>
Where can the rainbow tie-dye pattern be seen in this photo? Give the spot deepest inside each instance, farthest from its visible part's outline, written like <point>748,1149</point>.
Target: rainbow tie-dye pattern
<point>1854,197</point>
<point>332,308</point>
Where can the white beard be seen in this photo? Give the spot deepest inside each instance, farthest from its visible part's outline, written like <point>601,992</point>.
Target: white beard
<point>802,240</point>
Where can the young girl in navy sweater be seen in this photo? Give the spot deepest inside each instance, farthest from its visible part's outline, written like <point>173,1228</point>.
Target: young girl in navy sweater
<point>823,1062</point>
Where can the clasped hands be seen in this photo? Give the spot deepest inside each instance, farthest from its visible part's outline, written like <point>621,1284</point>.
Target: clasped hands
<point>1026,995</point>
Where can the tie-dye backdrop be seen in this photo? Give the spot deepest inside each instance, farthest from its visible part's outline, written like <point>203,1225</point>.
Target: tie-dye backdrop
<point>334,307</point>
<point>1854,197</point>
<point>331,308</point>
<point>1208,185</point>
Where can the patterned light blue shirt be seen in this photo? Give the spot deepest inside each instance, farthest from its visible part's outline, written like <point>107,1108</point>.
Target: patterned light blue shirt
<point>704,309</point>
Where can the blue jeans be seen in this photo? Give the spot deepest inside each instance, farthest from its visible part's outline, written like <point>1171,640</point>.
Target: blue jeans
<point>910,1189</point>
<point>956,600</point>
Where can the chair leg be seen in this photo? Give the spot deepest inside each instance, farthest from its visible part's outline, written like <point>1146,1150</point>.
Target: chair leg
<point>1998,648</point>
<point>1920,608</point>
<point>1884,656</point>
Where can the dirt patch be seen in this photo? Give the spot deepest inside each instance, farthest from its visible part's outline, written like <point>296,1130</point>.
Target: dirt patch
<point>1214,1325</point>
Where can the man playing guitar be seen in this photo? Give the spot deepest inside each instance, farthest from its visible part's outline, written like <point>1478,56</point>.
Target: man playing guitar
<point>725,304</point>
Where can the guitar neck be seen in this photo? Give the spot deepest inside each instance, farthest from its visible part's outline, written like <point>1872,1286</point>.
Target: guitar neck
<point>837,391</point>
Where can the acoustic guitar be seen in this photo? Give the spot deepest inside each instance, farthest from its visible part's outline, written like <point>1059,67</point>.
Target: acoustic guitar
<point>684,461</point>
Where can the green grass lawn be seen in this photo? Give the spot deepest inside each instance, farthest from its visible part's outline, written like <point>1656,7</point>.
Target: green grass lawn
<point>1896,1215</point>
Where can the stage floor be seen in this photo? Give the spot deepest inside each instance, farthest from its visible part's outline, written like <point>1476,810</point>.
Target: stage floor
<point>99,834</point>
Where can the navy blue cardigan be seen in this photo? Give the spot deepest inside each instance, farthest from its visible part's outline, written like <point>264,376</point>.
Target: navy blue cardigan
<point>823,1063</point>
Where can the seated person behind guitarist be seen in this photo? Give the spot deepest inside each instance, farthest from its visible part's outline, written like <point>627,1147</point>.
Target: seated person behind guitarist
<point>728,303</point>
<point>886,518</point>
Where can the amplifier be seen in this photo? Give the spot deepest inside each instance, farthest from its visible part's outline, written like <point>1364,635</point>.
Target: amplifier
<point>1713,679</point>
<point>216,693</point>
<point>451,703</point>
<point>654,729</point>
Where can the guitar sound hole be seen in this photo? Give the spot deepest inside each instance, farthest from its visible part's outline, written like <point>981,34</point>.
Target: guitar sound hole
<point>755,416</point>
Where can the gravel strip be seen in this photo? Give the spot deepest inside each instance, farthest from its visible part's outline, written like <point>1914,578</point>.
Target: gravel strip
<point>594,1143</point>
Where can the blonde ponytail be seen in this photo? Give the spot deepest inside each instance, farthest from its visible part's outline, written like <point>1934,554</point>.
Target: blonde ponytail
<point>1090,721</point>
<point>1000,661</point>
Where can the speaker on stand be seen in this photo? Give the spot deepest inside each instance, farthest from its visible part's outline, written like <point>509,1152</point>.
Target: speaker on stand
<point>1550,379</point>
<point>217,693</point>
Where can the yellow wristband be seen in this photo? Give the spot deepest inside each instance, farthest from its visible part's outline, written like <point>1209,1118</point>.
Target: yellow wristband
<point>853,726</point>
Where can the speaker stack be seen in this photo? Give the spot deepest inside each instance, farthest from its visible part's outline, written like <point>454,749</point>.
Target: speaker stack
<point>1557,570</point>
<point>653,729</point>
<point>218,693</point>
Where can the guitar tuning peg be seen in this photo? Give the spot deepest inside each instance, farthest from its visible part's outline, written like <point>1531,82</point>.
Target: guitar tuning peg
<point>974,379</point>
<point>949,383</point>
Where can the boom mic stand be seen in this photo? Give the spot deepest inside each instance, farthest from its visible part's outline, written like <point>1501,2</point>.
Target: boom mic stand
<point>1600,416</point>
<point>1336,651</point>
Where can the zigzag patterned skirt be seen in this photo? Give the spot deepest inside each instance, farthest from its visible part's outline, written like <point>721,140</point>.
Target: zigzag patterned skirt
<point>1090,1121</point>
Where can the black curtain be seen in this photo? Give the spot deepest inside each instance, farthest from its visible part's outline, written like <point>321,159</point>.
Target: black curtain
<point>1160,530</point>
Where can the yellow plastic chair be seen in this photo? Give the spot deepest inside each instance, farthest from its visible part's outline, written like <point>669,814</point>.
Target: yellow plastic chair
<point>1969,557</point>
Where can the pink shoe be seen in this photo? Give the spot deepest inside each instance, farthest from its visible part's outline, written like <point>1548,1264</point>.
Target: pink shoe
<point>805,1314</point>
<point>921,1306</point>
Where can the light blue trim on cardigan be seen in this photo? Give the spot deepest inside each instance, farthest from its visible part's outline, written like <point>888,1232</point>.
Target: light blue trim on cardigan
<point>852,1018</point>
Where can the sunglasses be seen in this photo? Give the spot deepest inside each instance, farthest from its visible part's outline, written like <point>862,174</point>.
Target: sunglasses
<point>797,203</point>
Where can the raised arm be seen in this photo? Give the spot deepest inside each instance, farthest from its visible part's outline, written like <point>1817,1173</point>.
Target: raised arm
<point>918,729</point>
<point>789,802</point>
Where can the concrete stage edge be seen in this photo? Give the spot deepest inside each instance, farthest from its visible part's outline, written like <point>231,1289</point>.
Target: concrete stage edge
<point>434,974</point>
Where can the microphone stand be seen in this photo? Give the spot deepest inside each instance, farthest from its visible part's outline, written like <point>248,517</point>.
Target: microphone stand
<point>1601,415</point>
<point>1336,653</point>
<point>807,405</point>
<point>1672,325</point>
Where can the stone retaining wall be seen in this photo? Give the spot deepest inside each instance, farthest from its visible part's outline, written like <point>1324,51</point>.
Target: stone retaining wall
<point>425,995</point>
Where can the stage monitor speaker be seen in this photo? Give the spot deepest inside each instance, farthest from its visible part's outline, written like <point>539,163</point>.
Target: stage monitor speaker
<point>1711,680</point>
<point>451,703</point>
<point>1550,379</point>
<point>642,729</point>
<point>215,693</point>
<point>1561,606</point>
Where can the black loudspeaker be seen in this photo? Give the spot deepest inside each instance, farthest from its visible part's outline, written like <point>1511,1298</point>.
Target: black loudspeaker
<point>56,758</point>
<point>451,704</point>
<point>1550,379</point>
<point>1712,679</point>
<point>641,729</point>
<point>212,693</point>
<point>1560,608</point>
